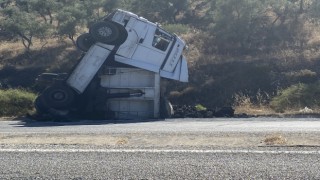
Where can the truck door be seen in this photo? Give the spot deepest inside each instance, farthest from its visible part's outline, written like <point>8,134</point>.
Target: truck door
<point>151,51</point>
<point>137,31</point>
<point>155,48</point>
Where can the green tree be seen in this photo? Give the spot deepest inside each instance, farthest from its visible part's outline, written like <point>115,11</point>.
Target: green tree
<point>315,10</point>
<point>79,14</point>
<point>5,3</point>
<point>163,11</point>
<point>23,24</point>
<point>238,24</point>
<point>93,8</point>
<point>70,18</point>
<point>289,25</point>
<point>45,9</point>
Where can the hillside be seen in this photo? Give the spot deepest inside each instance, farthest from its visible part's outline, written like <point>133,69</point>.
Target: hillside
<point>247,54</point>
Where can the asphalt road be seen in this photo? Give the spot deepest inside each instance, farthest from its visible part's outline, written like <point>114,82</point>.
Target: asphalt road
<point>166,126</point>
<point>171,149</point>
<point>158,165</point>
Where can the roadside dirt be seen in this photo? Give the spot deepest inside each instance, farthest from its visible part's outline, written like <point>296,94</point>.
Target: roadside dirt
<point>166,140</point>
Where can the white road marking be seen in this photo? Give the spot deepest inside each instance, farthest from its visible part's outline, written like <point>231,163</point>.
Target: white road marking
<point>156,151</point>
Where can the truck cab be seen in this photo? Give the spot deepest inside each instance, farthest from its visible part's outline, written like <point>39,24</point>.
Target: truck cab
<point>139,43</point>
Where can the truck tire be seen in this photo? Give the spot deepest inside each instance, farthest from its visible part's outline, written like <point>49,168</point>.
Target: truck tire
<point>40,106</point>
<point>84,42</point>
<point>105,32</point>
<point>123,35</point>
<point>59,96</point>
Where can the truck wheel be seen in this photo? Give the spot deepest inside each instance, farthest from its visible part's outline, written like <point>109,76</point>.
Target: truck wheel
<point>84,42</point>
<point>105,31</point>
<point>58,96</point>
<point>123,35</point>
<point>40,106</point>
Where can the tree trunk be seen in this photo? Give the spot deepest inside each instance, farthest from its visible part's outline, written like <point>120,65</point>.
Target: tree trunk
<point>27,42</point>
<point>44,17</point>
<point>301,6</point>
<point>71,36</point>
<point>50,15</point>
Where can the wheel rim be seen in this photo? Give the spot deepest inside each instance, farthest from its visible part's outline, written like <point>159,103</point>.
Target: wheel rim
<point>84,42</point>
<point>105,31</point>
<point>59,96</point>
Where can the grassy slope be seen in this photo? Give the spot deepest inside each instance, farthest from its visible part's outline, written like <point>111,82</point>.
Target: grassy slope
<point>246,82</point>
<point>19,69</point>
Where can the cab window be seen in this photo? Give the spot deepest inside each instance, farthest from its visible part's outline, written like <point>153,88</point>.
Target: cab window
<point>161,40</point>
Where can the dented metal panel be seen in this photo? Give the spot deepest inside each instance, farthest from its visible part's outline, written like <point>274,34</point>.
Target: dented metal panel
<point>180,73</point>
<point>87,68</point>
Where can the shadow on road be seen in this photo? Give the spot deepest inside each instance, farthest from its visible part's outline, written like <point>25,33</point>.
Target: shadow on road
<point>27,122</point>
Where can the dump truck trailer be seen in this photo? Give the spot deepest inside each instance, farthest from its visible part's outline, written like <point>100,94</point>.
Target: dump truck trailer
<point>144,54</point>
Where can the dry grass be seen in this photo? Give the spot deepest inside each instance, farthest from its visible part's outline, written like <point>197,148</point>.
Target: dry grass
<point>254,111</point>
<point>52,54</point>
<point>11,49</point>
<point>247,107</point>
<point>275,139</point>
<point>15,47</point>
<point>122,141</point>
<point>244,104</point>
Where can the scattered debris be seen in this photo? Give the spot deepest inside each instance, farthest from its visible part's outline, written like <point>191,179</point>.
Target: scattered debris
<point>186,111</point>
<point>306,110</point>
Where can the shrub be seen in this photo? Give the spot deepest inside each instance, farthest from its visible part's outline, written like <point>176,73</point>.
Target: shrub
<point>16,102</point>
<point>296,97</point>
<point>200,107</point>
<point>176,28</point>
<point>302,76</point>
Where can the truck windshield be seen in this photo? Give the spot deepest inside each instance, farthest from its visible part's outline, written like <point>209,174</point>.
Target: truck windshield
<point>161,40</point>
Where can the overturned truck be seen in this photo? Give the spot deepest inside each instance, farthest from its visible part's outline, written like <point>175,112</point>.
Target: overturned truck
<point>119,76</point>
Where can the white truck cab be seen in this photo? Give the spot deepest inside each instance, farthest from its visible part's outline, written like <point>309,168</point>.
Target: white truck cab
<point>139,43</point>
<point>148,46</point>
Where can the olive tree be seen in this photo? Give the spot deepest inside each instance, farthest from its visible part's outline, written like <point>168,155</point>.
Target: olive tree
<point>315,10</point>
<point>70,19</point>
<point>290,25</point>
<point>238,25</point>
<point>45,9</point>
<point>75,16</point>
<point>163,11</point>
<point>110,5</point>
<point>5,3</point>
<point>23,25</point>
